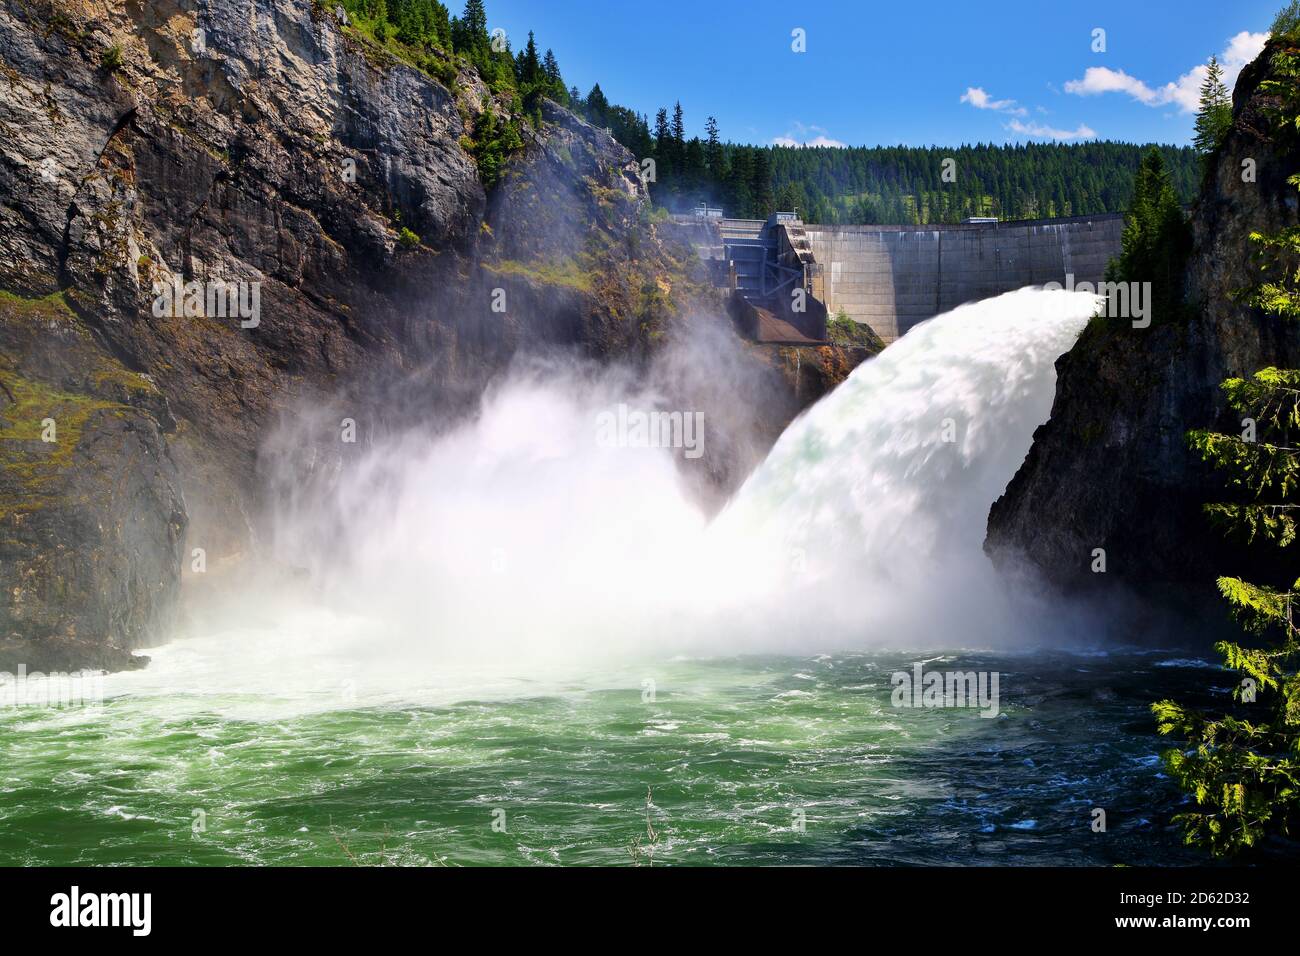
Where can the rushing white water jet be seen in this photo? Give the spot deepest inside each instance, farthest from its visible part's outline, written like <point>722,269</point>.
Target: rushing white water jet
<point>869,514</point>
<point>519,542</point>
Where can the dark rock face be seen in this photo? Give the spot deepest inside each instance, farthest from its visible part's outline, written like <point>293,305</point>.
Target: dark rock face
<point>1111,469</point>
<point>91,519</point>
<point>150,142</point>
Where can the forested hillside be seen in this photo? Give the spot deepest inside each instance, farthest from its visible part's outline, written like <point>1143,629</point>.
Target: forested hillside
<point>876,184</point>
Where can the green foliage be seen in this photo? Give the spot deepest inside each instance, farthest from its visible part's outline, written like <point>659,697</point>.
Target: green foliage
<point>882,184</point>
<point>900,184</point>
<point>1283,85</point>
<point>111,58</point>
<point>1287,21</point>
<point>564,271</point>
<point>421,24</point>
<point>408,238</point>
<point>1242,767</point>
<point>1242,776</point>
<point>1279,254</point>
<point>1270,403</point>
<point>1214,118</point>
<point>493,142</point>
<point>1157,238</point>
<point>858,185</point>
<point>422,33</point>
<point>842,330</point>
<point>1257,467</point>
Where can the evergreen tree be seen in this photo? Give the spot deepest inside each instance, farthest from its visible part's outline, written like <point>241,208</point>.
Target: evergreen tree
<point>531,64</point>
<point>695,176</point>
<point>469,36</point>
<point>475,21</point>
<point>760,186</point>
<point>740,176</point>
<point>1156,239</point>
<point>663,141</point>
<point>1214,118</point>
<point>861,184</point>
<point>679,127</point>
<point>713,157</point>
<point>597,107</point>
<point>555,88</point>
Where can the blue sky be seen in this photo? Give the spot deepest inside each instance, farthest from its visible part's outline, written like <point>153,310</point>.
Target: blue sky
<point>890,72</point>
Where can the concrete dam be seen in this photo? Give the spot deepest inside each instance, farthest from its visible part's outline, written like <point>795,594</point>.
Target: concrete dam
<point>888,277</point>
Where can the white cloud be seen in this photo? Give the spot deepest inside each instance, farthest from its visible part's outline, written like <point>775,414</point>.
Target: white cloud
<point>1039,131</point>
<point>815,141</point>
<point>800,136</point>
<point>978,98</point>
<point>1241,49</point>
<point>1185,92</point>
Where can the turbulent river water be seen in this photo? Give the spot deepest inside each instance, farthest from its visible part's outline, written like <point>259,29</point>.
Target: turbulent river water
<point>512,644</point>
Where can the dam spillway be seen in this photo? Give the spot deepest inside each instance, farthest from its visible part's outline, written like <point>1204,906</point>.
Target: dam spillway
<point>893,277</point>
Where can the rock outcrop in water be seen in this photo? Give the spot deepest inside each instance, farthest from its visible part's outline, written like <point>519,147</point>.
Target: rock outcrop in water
<point>259,146</point>
<point>1111,469</point>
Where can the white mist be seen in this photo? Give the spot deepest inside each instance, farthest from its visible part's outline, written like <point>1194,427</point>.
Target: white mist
<point>520,545</point>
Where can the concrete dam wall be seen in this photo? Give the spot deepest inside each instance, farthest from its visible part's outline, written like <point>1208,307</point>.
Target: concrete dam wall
<point>892,277</point>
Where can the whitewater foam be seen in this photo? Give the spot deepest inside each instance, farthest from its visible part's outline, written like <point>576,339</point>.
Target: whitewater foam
<point>519,543</point>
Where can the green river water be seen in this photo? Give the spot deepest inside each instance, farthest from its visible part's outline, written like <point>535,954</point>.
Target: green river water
<point>733,751</point>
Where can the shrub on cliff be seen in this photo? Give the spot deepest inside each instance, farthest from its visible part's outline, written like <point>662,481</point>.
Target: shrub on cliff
<point>493,141</point>
<point>1287,21</point>
<point>844,331</point>
<point>111,58</point>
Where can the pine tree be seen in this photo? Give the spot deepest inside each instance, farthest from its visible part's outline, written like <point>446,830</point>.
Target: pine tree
<point>554,81</point>
<point>760,186</point>
<point>531,64</point>
<point>740,174</point>
<point>475,20</point>
<point>676,150</point>
<point>1214,118</point>
<point>713,156</point>
<point>597,106</point>
<point>1156,239</point>
<point>663,137</point>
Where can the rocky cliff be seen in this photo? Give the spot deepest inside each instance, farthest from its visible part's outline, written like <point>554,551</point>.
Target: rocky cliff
<point>327,194</point>
<point>1111,469</point>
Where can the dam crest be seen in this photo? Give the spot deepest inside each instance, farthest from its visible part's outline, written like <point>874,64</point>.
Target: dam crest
<point>786,278</point>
